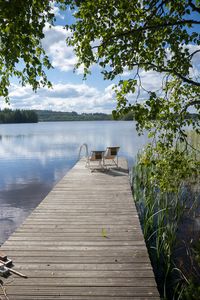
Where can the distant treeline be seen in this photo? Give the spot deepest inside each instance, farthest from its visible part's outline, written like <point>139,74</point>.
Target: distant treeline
<point>34,116</point>
<point>18,116</point>
<point>48,115</point>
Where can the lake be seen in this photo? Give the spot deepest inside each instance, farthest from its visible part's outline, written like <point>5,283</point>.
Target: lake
<point>34,157</point>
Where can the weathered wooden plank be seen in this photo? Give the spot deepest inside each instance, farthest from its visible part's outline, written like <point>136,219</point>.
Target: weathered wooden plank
<point>74,225</point>
<point>75,250</point>
<point>112,235</point>
<point>78,228</point>
<point>88,219</point>
<point>91,212</point>
<point>83,291</point>
<point>137,258</point>
<point>84,282</point>
<point>75,245</point>
<point>74,228</point>
<point>59,237</point>
<point>136,267</point>
<point>65,274</point>
<point>27,297</point>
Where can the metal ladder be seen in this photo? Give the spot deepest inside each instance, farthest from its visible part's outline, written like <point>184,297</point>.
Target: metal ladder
<point>86,152</point>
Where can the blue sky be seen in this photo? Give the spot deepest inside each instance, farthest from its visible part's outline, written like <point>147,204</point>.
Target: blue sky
<point>70,92</point>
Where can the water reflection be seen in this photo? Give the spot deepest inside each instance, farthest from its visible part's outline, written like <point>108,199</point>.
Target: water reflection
<point>33,157</point>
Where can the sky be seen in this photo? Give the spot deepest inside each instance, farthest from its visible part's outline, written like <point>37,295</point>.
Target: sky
<point>70,92</point>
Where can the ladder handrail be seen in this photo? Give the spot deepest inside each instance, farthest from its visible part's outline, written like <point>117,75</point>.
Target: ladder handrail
<point>86,150</point>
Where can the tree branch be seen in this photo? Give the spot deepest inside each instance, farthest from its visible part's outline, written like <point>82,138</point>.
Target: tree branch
<point>154,10</point>
<point>191,103</point>
<point>167,70</point>
<point>192,54</point>
<point>158,26</point>
<point>185,79</point>
<point>194,7</point>
<point>144,28</point>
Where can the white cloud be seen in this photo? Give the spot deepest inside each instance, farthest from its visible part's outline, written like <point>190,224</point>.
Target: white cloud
<point>127,72</point>
<point>75,97</point>
<point>151,80</point>
<point>54,34</point>
<point>195,70</point>
<point>61,55</point>
<point>63,97</point>
<point>56,11</point>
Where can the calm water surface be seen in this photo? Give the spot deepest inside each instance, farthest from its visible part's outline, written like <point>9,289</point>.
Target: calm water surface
<point>34,157</point>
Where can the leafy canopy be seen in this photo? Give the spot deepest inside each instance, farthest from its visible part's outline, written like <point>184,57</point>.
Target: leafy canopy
<point>21,32</point>
<point>162,36</point>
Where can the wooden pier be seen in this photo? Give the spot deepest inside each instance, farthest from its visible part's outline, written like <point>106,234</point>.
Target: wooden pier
<point>83,242</point>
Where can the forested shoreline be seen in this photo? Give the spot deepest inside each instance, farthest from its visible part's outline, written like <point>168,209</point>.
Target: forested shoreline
<point>34,116</point>
<point>51,116</point>
<point>18,116</point>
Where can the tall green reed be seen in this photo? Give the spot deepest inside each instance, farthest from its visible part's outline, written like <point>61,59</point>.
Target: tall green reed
<point>158,179</point>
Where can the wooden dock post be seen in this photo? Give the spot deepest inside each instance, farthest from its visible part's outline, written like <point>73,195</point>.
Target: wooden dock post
<point>83,242</point>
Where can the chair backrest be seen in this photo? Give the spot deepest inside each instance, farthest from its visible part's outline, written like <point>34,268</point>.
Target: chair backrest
<point>111,152</point>
<point>96,155</point>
